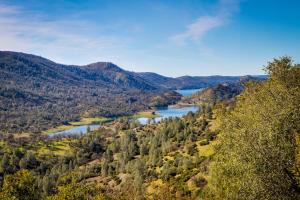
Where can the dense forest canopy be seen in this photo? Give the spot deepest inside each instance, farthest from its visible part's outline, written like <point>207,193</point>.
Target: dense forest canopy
<point>247,148</point>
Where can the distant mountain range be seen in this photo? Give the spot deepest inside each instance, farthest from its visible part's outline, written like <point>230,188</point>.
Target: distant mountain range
<point>224,92</point>
<point>36,93</point>
<point>186,82</point>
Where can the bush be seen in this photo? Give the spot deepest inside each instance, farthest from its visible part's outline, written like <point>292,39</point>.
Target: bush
<point>204,142</point>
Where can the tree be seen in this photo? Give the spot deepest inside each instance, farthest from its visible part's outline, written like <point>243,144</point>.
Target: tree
<point>257,152</point>
<point>21,185</point>
<point>77,191</point>
<point>104,167</point>
<point>139,175</point>
<point>5,165</point>
<point>47,185</point>
<point>29,161</point>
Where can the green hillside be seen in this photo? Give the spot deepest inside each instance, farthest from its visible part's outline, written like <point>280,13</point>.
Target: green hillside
<point>248,149</point>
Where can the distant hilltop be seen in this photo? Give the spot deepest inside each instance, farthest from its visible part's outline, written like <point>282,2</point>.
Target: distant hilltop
<point>37,93</point>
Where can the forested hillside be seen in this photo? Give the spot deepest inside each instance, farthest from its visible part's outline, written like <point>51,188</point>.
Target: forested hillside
<point>36,93</point>
<point>225,92</point>
<point>248,149</point>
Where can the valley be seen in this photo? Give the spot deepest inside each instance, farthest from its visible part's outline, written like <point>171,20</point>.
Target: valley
<point>37,94</point>
<point>158,142</point>
<point>149,100</point>
<point>145,117</point>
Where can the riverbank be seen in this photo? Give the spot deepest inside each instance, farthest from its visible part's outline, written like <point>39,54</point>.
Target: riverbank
<point>98,120</point>
<point>142,116</point>
<point>83,121</point>
<point>181,105</point>
<point>145,114</point>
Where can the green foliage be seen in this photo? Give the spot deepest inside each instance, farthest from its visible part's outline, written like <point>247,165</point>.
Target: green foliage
<point>257,152</point>
<point>254,158</point>
<point>224,92</point>
<point>20,186</point>
<point>29,161</point>
<point>77,191</point>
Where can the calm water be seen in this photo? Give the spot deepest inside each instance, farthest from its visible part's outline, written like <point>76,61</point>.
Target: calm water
<point>188,92</point>
<point>163,112</point>
<point>169,112</point>
<point>75,131</point>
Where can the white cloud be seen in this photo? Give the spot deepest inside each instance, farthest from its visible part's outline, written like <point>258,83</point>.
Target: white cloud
<point>196,30</point>
<point>69,41</point>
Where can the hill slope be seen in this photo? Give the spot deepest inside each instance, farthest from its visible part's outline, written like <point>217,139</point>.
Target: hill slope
<point>221,92</point>
<point>36,93</point>
<point>114,75</point>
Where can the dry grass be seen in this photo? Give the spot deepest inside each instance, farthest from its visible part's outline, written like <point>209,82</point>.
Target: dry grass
<point>57,129</point>
<point>83,121</point>
<point>145,114</point>
<point>90,120</point>
<point>56,148</point>
<point>206,150</point>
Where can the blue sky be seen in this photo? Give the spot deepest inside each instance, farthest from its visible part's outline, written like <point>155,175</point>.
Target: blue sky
<point>170,37</point>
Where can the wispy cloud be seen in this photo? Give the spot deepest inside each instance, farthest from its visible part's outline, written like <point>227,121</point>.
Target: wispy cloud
<point>66,40</point>
<point>219,17</point>
<point>4,9</point>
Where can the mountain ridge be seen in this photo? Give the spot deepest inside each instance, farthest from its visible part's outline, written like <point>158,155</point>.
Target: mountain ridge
<point>224,92</point>
<point>190,82</point>
<point>37,93</point>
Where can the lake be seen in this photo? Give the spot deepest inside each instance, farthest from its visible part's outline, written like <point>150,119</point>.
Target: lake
<point>188,92</point>
<point>163,113</point>
<point>169,111</point>
<point>75,131</point>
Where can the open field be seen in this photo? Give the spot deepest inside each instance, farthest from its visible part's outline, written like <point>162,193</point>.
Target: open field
<point>90,120</point>
<point>83,121</point>
<point>145,114</point>
<point>56,148</point>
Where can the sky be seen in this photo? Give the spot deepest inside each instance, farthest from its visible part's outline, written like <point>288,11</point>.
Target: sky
<point>169,37</point>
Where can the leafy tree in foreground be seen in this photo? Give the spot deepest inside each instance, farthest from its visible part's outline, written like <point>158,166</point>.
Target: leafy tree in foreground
<point>21,185</point>
<point>257,153</point>
<point>78,191</point>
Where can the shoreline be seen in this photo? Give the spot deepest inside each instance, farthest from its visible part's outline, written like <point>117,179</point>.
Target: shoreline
<point>150,113</point>
<point>82,122</point>
<point>98,120</point>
